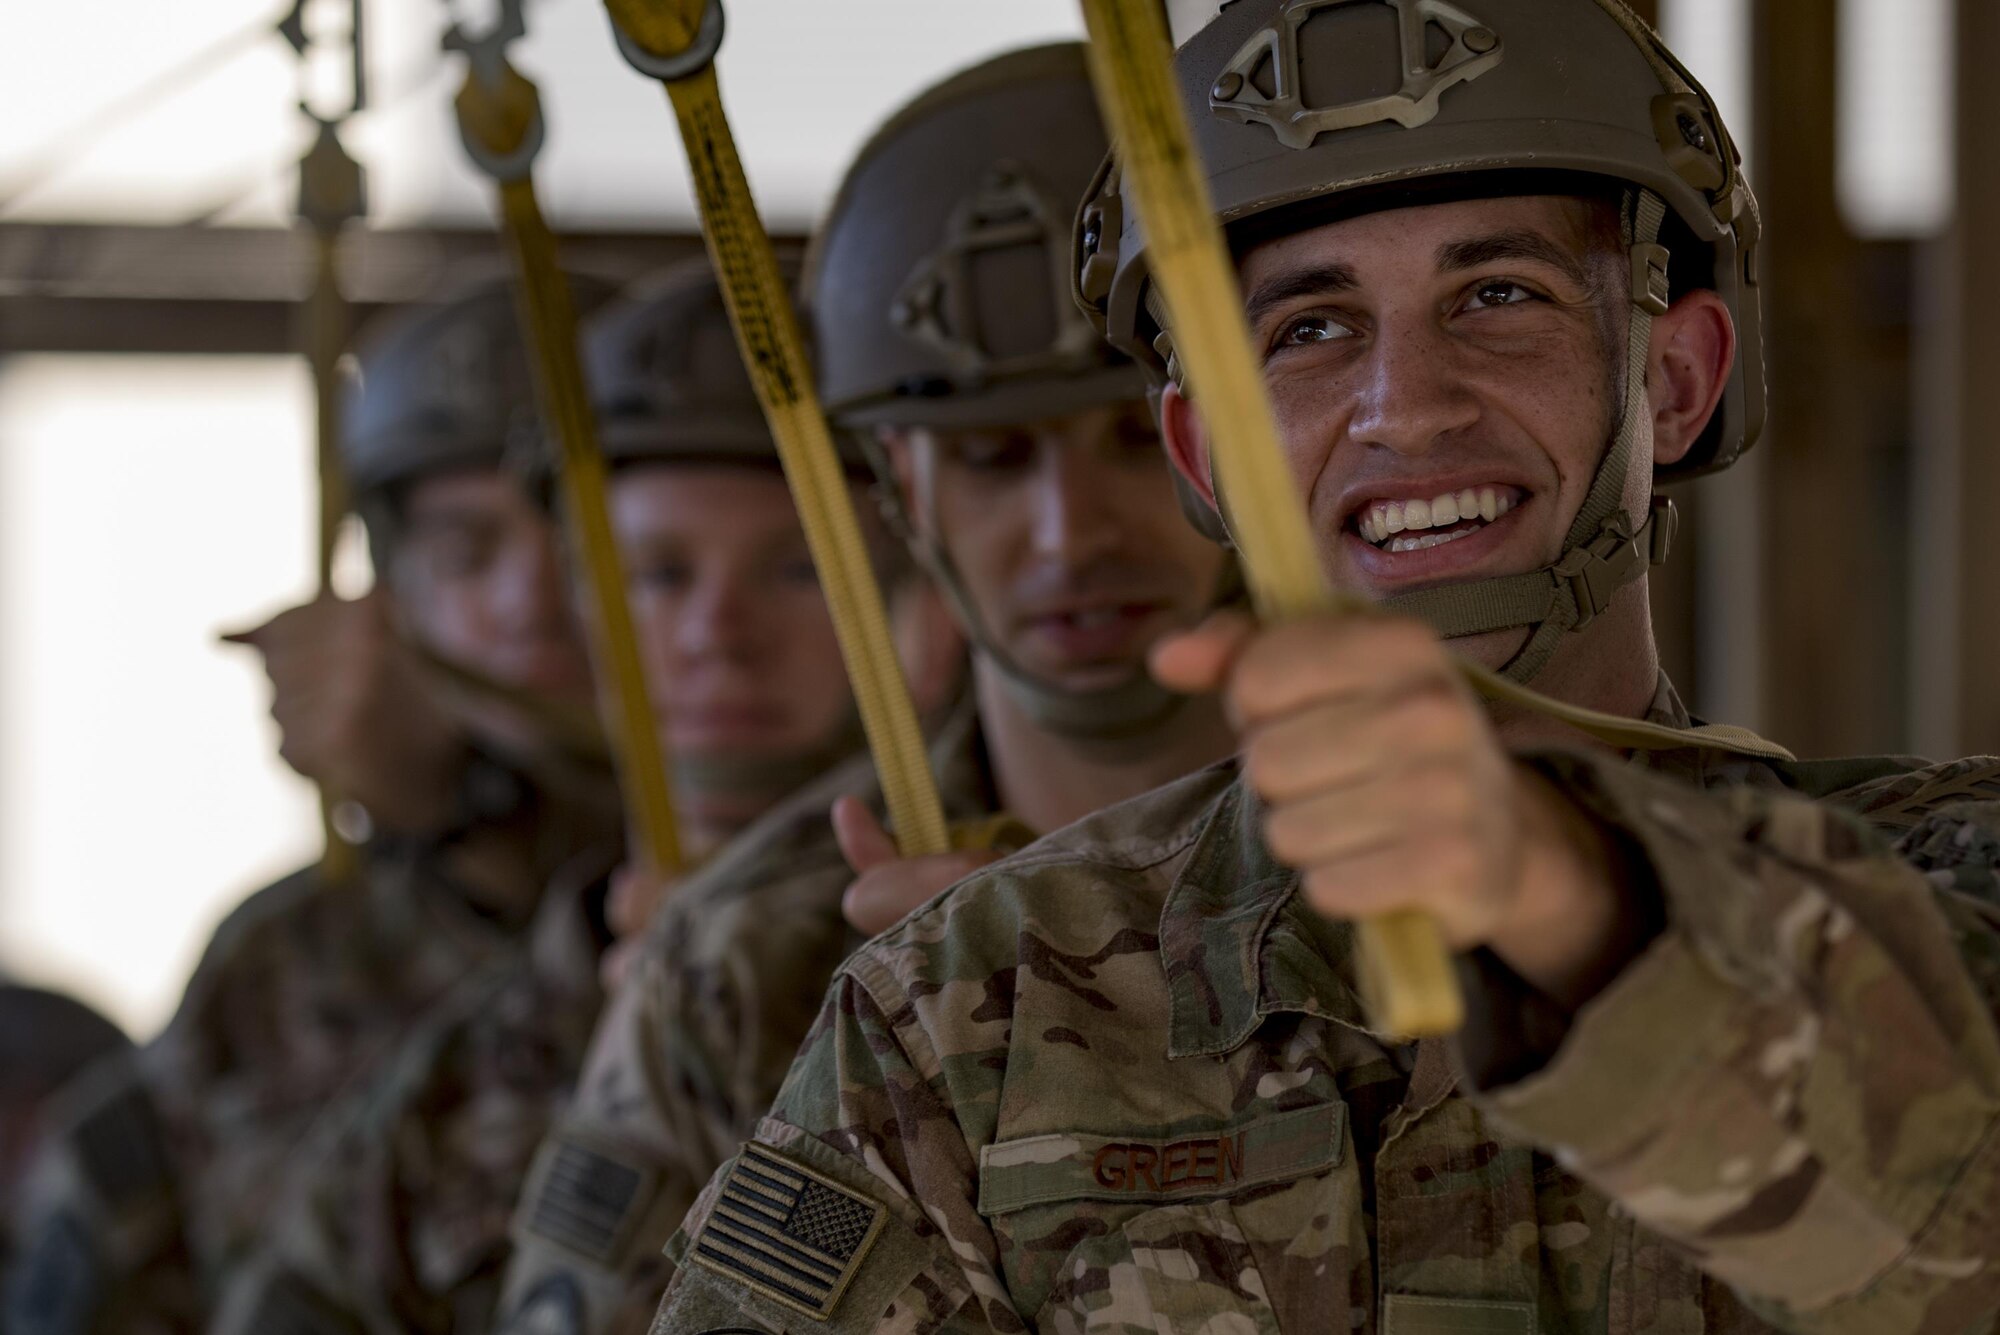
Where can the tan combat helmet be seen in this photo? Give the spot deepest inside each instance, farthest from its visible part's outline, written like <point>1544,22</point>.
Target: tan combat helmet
<point>939,294</point>
<point>1310,110</point>
<point>441,386</point>
<point>668,387</point>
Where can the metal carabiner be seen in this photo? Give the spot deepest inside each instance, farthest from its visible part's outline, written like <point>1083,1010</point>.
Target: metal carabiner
<point>486,54</point>
<point>698,56</point>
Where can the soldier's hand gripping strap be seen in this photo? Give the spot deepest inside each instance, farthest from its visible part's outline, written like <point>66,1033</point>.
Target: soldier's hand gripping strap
<point>676,41</point>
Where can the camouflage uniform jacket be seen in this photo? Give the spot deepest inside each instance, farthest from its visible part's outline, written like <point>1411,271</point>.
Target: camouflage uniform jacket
<point>395,1213</point>
<point>161,1168</point>
<point>692,1048</point>
<point>1121,1082</point>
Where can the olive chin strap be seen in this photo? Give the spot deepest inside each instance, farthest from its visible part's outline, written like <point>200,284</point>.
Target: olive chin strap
<point>1604,550</point>
<point>769,776</point>
<point>1110,713</point>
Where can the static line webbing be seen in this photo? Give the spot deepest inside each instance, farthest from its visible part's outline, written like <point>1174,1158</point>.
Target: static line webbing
<point>635,736</point>
<point>324,332</point>
<point>501,126</point>
<point>1406,973</point>
<point>773,349</point>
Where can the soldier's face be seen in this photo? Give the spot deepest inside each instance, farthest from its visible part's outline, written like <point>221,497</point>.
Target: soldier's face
<point>1067,536</point>
<point>478,579</point>
<point>1446,379</point>
<point>738,645</point>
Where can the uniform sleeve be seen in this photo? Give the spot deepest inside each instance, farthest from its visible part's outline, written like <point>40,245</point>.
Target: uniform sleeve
<point>864,1134</point>
<point>1799,1079</point>
<point>103,1239</point>
<point>647,1127</point>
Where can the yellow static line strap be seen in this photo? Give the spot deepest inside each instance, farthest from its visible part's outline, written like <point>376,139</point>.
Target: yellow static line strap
<point>324,334</point>
<point>501,121</point>
<point>1406,973</point>
<point>767,330</point>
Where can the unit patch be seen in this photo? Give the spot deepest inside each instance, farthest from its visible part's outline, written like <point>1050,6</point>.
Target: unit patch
<point>788,1233</point>
<point>585,1201</point>
<point>1034,1170</point>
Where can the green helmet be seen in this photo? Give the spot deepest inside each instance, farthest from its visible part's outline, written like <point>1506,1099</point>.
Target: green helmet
<point>439,386</point>
<point>1306,111</point>
<point>939,294</point>
<point>668,386</point>
<point>667,381</point>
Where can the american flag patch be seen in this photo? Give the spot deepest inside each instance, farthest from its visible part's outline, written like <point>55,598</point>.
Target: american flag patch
<point>788,1233</point>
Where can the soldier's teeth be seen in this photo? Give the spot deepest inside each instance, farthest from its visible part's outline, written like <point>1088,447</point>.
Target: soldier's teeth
<point>1489,505</point>
<point>1444,511</point>
<point>1417,514</point>
<point>1423,541</point>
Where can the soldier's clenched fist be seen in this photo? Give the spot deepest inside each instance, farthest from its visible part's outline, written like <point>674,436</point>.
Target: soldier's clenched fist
<point>354,712</point>
<point>1388,788</point>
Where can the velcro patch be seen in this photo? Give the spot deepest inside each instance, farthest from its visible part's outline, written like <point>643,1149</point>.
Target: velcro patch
<point>787,1232</point>
<point>585,1201</point>
<point>1034,1170</point>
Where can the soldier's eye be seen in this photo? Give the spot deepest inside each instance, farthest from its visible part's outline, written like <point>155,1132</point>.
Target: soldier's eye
<point>662,576</point>
<point>1311,329</point>
<point>1499,293</point>
<point>992,451</point>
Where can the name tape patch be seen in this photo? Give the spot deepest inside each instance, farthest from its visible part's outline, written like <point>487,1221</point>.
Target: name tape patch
<point>1015,1174</point>
<point>788,1233</point>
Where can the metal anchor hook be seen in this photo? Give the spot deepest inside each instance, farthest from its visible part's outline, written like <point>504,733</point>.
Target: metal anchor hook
<point>500,113</point>
<point>487,51</point>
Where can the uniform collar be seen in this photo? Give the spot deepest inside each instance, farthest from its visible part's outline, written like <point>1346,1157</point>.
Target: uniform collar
<point>1237,945</point>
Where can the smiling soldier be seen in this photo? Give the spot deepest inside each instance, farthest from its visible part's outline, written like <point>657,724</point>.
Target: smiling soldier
<point>1730,1063</point>
<point>1022,463</point>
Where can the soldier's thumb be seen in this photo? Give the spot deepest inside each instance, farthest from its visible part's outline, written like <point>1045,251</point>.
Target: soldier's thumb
<point>863,841</point>
<point>1197,661</point>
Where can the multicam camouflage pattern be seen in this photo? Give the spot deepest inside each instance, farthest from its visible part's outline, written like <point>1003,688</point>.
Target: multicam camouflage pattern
<point>161,1169</point>
<point>692,1049</point>
<point>1122,1082</point>
<point>396,1209</point>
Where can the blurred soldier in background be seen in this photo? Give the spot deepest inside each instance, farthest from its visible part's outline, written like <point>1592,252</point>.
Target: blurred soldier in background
<point>1729,1061</point>
<point>397,1221</point>
<point>45,1040</point>
<point>162,1169</point>
<point>1020,460</point>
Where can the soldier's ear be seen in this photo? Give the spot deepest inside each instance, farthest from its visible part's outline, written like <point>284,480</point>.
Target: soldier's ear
<point>1186,438</point>
<point>1693,353</point>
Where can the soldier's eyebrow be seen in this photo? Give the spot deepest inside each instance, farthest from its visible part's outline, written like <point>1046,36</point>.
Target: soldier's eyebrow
<point>1312,280</point>
<point>1514,244</point>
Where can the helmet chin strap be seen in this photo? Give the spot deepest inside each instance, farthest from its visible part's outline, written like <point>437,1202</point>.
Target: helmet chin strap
<point>769,777</point>
<point>1604,549</point>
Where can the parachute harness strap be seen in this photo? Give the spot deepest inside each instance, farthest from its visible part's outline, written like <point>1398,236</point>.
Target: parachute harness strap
<point>500,120</point>
<point>676,41</point>
<point>1406,975</point>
